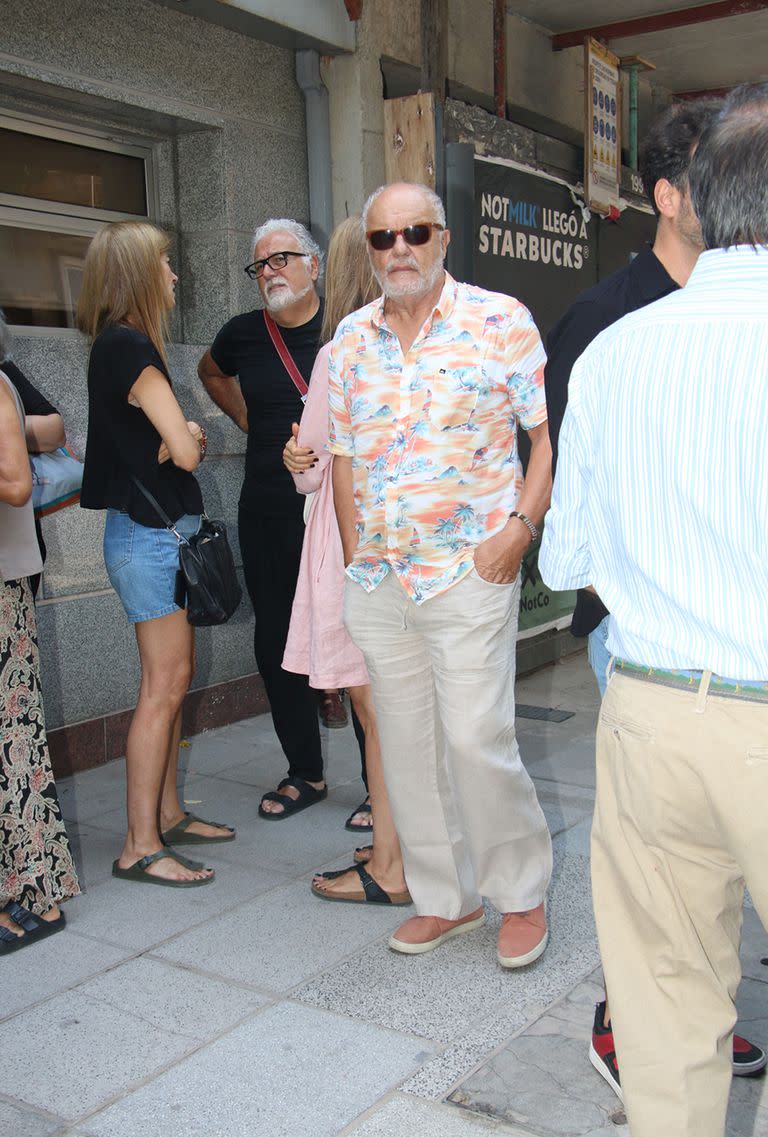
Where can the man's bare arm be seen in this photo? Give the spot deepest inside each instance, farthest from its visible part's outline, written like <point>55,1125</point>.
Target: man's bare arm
<point>344,504</point>
<point>224,390</point>
<point>537,488</point>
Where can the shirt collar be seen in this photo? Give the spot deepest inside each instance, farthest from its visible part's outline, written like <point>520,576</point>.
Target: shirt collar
<point>740,261</point>
<point>441,311</point>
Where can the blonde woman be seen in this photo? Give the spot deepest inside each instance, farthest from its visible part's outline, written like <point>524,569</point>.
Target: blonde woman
<point>136,431</point>
<point>318,644</point>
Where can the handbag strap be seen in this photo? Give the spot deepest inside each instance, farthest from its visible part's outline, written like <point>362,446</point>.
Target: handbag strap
<point>285,356</point>
<point>158,509</point>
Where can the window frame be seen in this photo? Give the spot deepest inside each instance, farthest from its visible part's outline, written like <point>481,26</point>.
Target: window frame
<point>17,211</point>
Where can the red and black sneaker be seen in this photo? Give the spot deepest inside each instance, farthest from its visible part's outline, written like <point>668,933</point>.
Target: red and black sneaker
<point>748,1059</point>
<point>602,1054</point>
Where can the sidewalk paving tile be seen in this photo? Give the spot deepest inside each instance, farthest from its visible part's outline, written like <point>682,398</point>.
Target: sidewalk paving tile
<point>94,848</point>
<point>404,1116</point>
<point>440,1074</point>
<point>543,1080</point>
<point>573,764</point>
<point>280,940</point>
<point>141,916</point>
<point>289,1072</point>
<point>92,1052</point>
<point>562,810</point>
<point>18,1122</point>
<point>89,795</point>
<point>442,993</point>
<point>60,962</point>
<point>172,998</point>
<point>298,844</point>
<point>539,1084</point>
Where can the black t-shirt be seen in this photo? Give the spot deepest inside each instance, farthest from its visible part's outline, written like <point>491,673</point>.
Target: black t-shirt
<point>33,402</point>
<point>243,348</point>
<point>640,282</point>
<point>121,439</point>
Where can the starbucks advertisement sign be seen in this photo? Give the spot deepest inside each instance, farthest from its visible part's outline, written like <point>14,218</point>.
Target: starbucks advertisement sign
<point>532,240</point>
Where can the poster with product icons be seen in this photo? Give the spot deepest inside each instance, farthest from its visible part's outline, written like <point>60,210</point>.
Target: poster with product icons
<point>602,123</point>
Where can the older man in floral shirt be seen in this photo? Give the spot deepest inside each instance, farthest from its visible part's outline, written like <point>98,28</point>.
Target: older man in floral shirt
<point>428,385</point>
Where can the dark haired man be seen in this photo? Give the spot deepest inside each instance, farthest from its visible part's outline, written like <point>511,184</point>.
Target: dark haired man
<point>660,504</point>
<point>655,272</point>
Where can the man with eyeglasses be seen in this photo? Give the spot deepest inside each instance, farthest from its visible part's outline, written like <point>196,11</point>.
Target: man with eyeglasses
<point>427,386</point>
<point>244,375</point>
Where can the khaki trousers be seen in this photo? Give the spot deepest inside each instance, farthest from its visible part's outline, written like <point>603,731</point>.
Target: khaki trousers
<point>465,809</point>
<point>681,821</point>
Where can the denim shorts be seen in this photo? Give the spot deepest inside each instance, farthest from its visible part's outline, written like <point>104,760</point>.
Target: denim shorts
<point>142,564</point>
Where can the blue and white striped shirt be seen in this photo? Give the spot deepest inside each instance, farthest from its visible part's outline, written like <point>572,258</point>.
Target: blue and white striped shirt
<point>661,495</point>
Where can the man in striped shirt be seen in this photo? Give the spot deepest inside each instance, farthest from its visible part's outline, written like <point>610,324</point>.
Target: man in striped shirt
<point>660,504</point>
<point>656,271</point>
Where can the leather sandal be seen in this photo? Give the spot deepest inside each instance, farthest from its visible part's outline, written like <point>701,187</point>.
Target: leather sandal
<point>33,926</point>
<point>138,872</point>
<point>365,808</point>
<point>372,892</point>
<point>308,795</point>
<point>179,833</point>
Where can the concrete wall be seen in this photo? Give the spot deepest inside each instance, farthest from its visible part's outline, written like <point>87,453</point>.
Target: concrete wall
<point>226,120</point>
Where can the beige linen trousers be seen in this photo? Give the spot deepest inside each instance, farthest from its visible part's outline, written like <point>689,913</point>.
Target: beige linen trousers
<point>442,675</point>
<point>681,820</point>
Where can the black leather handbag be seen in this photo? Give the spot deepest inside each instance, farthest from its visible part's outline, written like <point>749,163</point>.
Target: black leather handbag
<point>206,584</point>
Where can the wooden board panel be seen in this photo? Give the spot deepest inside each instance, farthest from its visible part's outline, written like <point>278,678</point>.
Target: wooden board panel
<point>409,139</point>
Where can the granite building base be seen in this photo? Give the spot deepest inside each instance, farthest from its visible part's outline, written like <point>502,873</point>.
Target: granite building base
<point>83,745</point>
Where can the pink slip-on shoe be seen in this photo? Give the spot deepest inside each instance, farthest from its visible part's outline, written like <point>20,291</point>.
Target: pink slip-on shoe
<point>523,937</point>
<point>423,933</point>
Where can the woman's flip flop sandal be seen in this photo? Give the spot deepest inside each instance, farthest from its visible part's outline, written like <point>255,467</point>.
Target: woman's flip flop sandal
<point>372,892</point>
<point>138,872</point>
<point>178,834</point>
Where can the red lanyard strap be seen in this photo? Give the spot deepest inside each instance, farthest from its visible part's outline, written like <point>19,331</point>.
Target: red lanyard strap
<point>285,356</point>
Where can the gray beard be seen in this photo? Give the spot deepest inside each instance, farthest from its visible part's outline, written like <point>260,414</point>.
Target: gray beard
<point>420,287</point>
<point>284,297</point>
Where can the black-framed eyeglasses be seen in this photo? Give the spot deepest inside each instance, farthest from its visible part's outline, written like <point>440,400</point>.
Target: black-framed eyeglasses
<point>383,239</point>
<point>275,261</point>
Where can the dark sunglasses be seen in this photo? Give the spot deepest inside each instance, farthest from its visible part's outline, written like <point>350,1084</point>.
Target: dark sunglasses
<point>276,261</point>
<point>383,239</point>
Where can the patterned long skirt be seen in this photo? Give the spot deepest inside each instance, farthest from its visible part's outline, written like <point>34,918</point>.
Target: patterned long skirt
<point>36,866</point>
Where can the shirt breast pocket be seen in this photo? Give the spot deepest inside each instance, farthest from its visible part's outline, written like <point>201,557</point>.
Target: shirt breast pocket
<point>452,410</point>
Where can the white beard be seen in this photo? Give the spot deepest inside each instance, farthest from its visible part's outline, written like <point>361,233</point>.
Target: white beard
<point>418,286</point>
<point>282,296</point>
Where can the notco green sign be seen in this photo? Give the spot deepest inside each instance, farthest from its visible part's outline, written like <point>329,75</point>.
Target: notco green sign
<point>540,608</point>
<point>533,242</point>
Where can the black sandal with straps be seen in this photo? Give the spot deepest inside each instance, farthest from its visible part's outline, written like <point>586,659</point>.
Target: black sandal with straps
<point>372,892</point>
<point>308,795</point>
